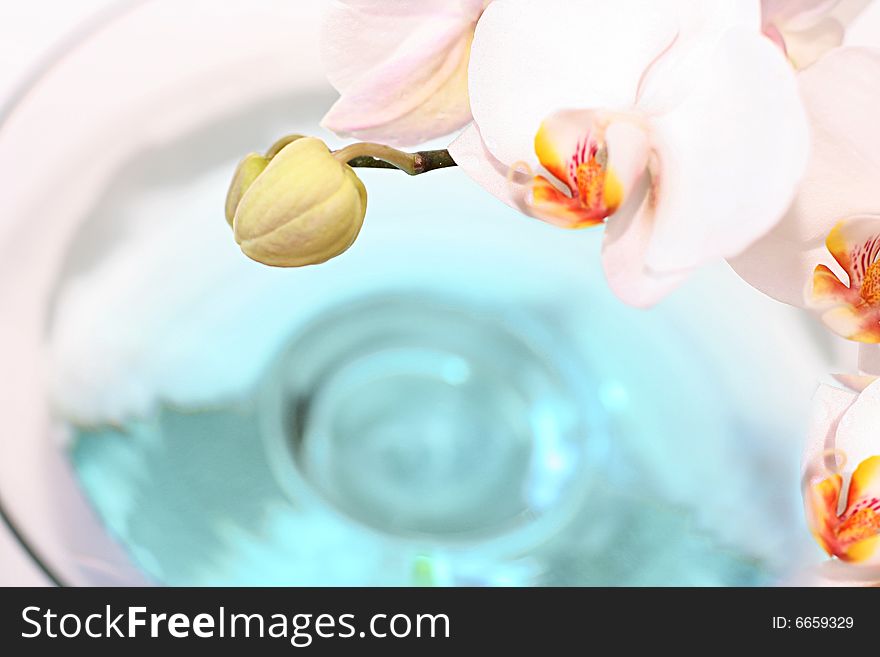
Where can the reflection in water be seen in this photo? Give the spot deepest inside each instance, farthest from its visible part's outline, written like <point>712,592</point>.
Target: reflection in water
<point>686,473</point>
<point>491,457</point>
<point>197,504</point>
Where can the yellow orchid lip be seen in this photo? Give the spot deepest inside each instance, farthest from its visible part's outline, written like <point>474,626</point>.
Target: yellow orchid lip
<point>854,534</point>
<point>851,309</point>
<point>587,187</point>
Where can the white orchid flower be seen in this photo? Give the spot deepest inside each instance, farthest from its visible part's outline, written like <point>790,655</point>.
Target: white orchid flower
<point>841,477</point>
<point>400,67</point>
<point>678,123</point>
<point>829,241</point>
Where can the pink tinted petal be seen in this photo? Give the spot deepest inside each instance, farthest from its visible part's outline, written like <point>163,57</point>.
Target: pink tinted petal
<point>772,32</point>
<point>855,382</point>
<point>359,36</point>
<point>401,68</point>
<point>841,96</point>
<point>796,14</point>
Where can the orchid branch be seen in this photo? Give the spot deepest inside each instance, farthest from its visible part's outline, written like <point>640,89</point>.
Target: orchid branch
<point>379,156</point>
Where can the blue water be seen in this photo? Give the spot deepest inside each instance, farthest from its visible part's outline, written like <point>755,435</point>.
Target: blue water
<point>193,497</point>
<point>654,492</point>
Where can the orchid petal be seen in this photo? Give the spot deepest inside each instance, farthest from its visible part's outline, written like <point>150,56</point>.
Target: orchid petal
<point>401,67</point>
<point>862,21</point>
<point>853,323</point>
<point>796,14</point>
<point>856,434</point>
<point>626,241</point>
<point>828,291</point>
<point>472,156</point>
<point>869,360</point>
<point>700,27</point>
<point>805,47</point>
<point>804,29</point>
<point>729,161</point>
<point>841,97</point>
<point>855,382</point>
<point>830,404</point>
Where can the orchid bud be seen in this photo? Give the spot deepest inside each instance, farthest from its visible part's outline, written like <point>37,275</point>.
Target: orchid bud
<point>296,206</point>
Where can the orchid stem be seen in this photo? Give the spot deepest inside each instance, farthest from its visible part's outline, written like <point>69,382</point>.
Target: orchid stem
<point>379,156</point>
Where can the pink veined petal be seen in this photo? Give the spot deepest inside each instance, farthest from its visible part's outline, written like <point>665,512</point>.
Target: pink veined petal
<point>627,237</point>
<point>730,155</point>
<point>530,59</point>
<point>494,176</point>
<point>416,89</point>
<point>841,95</point>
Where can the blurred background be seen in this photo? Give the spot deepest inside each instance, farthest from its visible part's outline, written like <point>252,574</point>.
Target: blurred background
<point>457,400</point>
<point>29,32</point>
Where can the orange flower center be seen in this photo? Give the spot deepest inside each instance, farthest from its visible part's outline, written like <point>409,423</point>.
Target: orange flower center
<point>871,285</point>
<point>590,177</point>
<point>861,524</point>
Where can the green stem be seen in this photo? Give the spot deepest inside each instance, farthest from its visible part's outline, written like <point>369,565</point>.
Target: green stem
<point>379,156</point>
